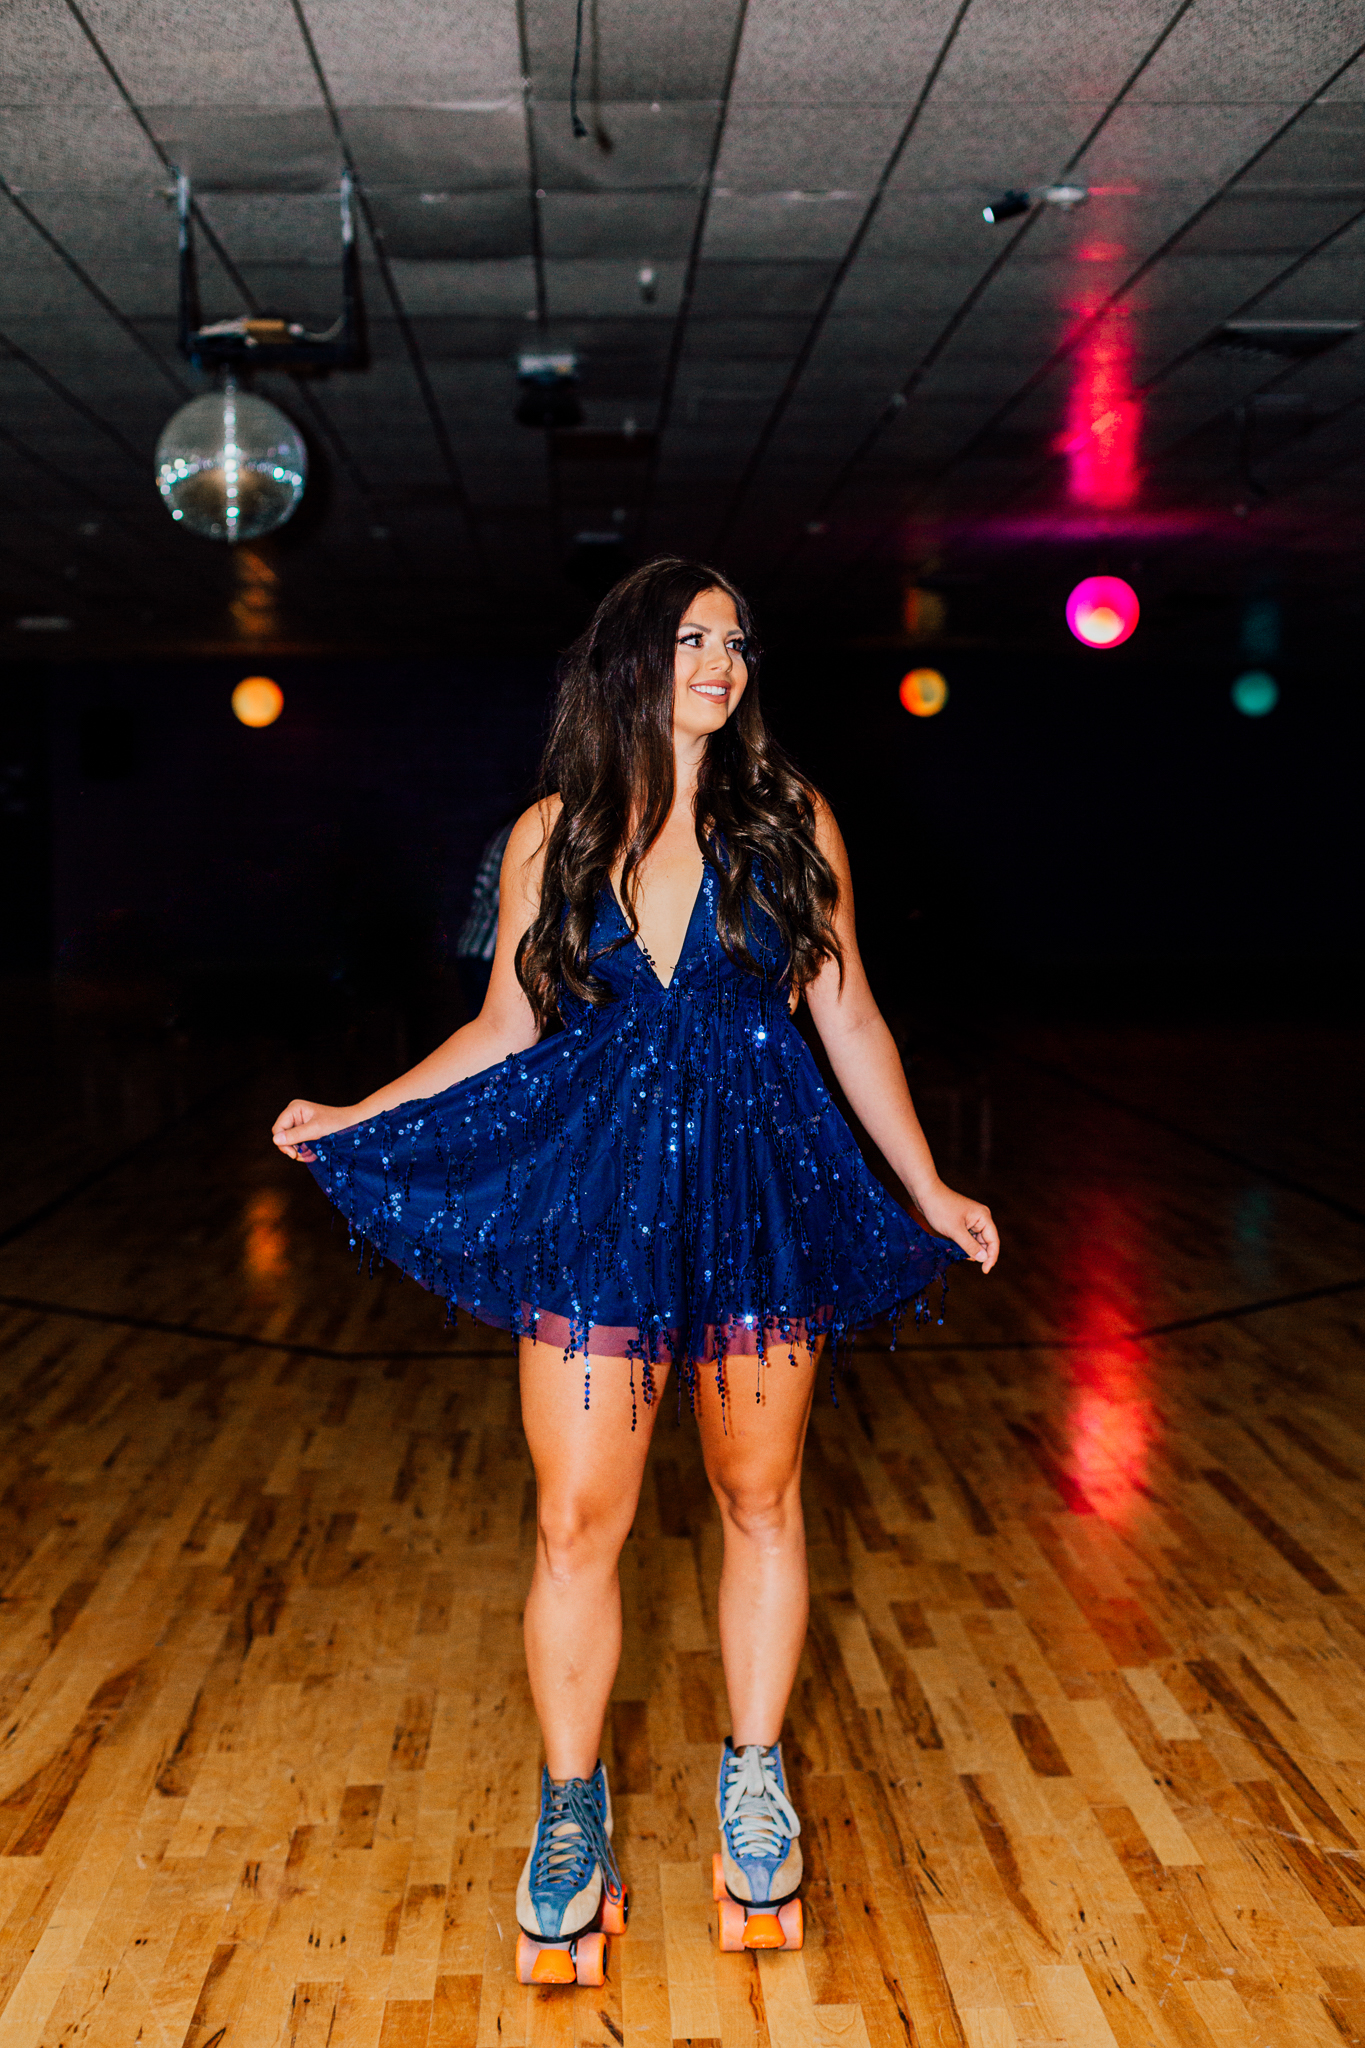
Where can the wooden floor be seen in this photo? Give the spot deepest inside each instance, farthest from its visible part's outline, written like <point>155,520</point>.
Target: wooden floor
<point>1079,1740</point>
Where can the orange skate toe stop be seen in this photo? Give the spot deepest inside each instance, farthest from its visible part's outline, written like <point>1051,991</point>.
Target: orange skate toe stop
<point>719,1890</point>
<point>536,1965</point>
<point>764,1930</point>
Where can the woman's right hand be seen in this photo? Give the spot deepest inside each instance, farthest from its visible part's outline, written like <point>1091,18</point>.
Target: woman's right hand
<point>301,1121</point>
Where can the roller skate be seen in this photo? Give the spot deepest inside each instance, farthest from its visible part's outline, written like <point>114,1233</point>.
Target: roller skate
<point>755,1872</point>
<point>570,1897</point>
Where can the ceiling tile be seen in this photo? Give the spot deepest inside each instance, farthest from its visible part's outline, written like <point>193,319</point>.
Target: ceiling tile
<point>782,225</point>
<point>644,226</point>
<point>440,149</point>
<point>632,50</point>
<point>1063,51</point>
<point>1249,51</point>
<point>79,146</point>
<point>265,227</point>
<point>809,53</point>
<point>589,290</point>
<point>811,148</point>
<point>445,288</point>
<point>176,52</point>
<point>1248,220</point>
<point>409,53</point>
<point>463,337</point>
<point>738,288</point>
<point>999,145</point>
<point>738,335</point>
<point>241,149</point>
<point>630,144</point>
<point>48,62</point>
<point>453,226</point>
<point>1198,147</point>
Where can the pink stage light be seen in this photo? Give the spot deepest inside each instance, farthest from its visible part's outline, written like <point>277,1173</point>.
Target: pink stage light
<point>1102,611</point>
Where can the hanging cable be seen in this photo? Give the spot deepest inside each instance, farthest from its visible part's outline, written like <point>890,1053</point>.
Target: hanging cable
<point>578,128</point>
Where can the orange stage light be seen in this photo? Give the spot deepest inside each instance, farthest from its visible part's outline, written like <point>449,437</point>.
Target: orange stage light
<point>257,701</point>
<point>923,692</point>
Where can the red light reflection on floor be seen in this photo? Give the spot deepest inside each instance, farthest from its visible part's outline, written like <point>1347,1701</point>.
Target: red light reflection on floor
<point>1110,1419</point>
<point>1100,441</point>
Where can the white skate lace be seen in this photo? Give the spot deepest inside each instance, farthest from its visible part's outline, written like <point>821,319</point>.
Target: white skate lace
<point>757,1811</point>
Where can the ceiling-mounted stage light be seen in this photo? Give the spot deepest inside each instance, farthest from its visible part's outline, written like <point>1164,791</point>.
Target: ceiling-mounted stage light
<point>1008,207</point>
<point>923,692</point>
<point>1102,611</point>
<point>257,700</point>
<point>1255,693</point>
<point>549,396</point>
<point>230,466</point>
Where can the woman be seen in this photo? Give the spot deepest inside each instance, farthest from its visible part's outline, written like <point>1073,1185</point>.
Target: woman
<point>662,1183</point>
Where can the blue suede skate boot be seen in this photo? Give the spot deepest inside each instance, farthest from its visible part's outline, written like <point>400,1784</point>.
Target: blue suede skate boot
<point>570,1895</point>
<point>758,1866</point>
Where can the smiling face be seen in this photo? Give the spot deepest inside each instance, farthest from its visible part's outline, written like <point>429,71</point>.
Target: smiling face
<point>709,672</point>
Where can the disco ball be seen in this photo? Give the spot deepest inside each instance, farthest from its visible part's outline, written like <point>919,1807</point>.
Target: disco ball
<point>230,466</point>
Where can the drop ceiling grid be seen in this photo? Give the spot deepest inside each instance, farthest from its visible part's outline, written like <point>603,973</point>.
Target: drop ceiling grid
<point>176,52</point>
<point>819,93</point>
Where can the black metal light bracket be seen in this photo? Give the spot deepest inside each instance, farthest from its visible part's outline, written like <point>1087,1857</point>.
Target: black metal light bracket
<point>254,341</point>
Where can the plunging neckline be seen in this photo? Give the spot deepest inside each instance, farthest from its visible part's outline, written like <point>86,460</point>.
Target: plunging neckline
<point>639,945</point>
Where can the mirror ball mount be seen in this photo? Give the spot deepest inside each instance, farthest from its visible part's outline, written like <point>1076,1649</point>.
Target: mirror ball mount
<point>254,341</point>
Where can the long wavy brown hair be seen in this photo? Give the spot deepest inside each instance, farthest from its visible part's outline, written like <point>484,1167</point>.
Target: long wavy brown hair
<point>609,757</point>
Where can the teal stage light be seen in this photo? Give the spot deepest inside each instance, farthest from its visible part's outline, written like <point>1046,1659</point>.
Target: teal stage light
<point>1255,693</point>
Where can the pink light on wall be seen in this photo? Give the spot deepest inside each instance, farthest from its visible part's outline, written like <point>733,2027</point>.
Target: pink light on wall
<point>1100,441</point>
<point>1102,611</point>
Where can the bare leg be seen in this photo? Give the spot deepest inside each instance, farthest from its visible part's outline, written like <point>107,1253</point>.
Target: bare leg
<point>589,1467</point>
<point>753,1460</point>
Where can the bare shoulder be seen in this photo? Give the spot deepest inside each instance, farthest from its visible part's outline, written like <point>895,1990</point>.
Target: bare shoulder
<point>532,829</point>
<point>525,855</point>
<point>828,837</point>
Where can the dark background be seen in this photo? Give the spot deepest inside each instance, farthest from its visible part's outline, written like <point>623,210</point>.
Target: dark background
<point>1076,834</point>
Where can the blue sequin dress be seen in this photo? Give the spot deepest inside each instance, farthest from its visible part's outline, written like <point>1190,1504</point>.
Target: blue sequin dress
<point>666,1179</point>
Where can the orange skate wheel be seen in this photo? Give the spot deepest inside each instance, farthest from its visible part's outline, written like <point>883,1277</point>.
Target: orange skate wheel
<point>590,1959</point>
<point>718,1885</point>
<point>792,1921</point>
<point>731,1928</point>
<point>615,1912</point>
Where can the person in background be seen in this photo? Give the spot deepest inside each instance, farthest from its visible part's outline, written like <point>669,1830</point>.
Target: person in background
<point>478,940</point>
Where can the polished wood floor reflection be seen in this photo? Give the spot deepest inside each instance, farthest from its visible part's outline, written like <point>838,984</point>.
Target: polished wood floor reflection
<point>1079,1739</point>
